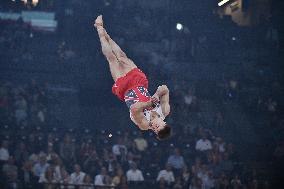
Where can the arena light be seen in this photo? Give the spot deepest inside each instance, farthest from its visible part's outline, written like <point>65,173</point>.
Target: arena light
<point>222,2</point>
<point>179,26</point>
<point>34,2</point>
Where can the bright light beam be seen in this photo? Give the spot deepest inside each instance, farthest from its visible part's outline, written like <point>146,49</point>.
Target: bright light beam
<point>222,2</point>
<point>179,26</point>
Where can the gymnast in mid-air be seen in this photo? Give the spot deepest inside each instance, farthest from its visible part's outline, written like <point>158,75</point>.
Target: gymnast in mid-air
<point>131,85</point>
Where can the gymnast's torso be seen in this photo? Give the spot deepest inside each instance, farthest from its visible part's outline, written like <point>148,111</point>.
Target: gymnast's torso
<point>141,94</point>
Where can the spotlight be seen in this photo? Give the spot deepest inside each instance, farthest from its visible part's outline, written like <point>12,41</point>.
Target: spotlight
<point>110,135</point>
<point>179,26</point>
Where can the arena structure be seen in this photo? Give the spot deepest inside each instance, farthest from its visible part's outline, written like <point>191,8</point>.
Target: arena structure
<point>61,126</point>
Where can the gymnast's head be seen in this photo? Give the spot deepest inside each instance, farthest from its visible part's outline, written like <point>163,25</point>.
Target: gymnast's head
<point>160,127</point>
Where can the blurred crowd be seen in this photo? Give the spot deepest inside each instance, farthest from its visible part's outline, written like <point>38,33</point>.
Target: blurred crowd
<point>34,154</point>
<point>23,105</point>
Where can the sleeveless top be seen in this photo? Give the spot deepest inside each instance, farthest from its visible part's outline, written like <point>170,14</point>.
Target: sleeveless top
<point>141,94</point>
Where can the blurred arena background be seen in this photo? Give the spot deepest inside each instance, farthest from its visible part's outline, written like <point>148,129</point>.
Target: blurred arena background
<point>61,127</point>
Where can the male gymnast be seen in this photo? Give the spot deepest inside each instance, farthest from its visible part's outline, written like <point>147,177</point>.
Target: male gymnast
<point>131,86</point>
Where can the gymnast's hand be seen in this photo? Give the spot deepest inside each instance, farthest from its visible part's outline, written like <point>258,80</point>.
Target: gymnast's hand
<point>155,99</point>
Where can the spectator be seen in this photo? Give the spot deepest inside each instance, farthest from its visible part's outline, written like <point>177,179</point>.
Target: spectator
<point>221,145</point>
<point>203,144</point>
<point>103,178</point>
<point>48,177</point>
<point>125,139</point>
<point>65,177</point>
<point>163,184</point>
<point>87,148</point>
<point>26,175</point>
<point>4,153</point>
<point>123,184</point>
<point>41,166</point>
<point>219,119</point>
<point>167,175</point>
<point>116,180</point>
<point>50,140</point>
<point>176,160</point>
<point>14,182</point>
<point>231,152</point>
<point>195,183</point>
<point>41,115</point>
<point>34,157</point>
<point>236,182</point>
<point>10,169</point>
<point>201,173</point>
<point>109,160</point>
<point>134,151</point>
<point>58,169</point>
<point>190,100</point>
<point>50,154</point>
<point>195,168</point>
<point>208,181</point>
<point>20,109</point>
<point>87,182</point>
<point>178,184</point>
<point>77,177</point>
<point>222,181</point>
<point>119,149</point>
<point>21,153</point>
<point>226,164</point>
<point>134,174</point>
<point>141,143</point>
<point>185,176</point>
<point>91,163</point>
<point>67,150</point>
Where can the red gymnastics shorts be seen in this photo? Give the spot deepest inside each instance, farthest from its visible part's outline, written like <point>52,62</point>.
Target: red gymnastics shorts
<point>132,79</point>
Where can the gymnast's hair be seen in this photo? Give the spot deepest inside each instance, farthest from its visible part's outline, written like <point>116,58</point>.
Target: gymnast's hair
<point>164,133</point>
